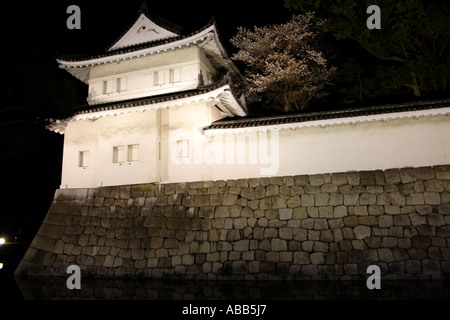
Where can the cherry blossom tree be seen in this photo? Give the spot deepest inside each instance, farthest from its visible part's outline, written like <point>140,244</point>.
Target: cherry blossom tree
<point>284,62</point>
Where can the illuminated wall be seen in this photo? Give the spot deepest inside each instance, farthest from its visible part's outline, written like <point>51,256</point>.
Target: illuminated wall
<point>151,75</point>
<point>172,148</point>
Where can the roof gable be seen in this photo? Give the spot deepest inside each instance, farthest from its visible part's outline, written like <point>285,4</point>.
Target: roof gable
<point>143,30</point>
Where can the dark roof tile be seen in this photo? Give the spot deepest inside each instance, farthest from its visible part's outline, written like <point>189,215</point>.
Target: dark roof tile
<point>136,47</point>
<point>149,100</point>
<point>335,114</point>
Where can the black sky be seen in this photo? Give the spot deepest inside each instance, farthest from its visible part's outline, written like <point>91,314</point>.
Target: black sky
<point>102,22</point>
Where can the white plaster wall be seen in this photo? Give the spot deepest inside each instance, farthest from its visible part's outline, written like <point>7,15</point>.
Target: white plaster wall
<point>79,136</point>
<point>99,137</point>
<point>366,146</point>
<point>339,148</point>
<point>363,146</point>
<point>128,129</point>
<point>152,130</point>
<point>139,75</point>
<point>184,124</point>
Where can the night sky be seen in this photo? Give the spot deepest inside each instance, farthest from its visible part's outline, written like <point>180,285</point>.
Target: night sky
<point>33,88</point>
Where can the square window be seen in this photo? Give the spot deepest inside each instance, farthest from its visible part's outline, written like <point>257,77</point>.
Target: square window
<point>118,85</point>
<point>133,152</point>
<point>121,84</point>
<point>183,149</point>
<point>175,75</point>
<point>108,86</point>
<point>83,159</point>
<point>118,154</point>
<point>159,78</point>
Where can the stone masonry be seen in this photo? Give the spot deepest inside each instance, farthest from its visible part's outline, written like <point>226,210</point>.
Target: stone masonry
<point>298,227</point>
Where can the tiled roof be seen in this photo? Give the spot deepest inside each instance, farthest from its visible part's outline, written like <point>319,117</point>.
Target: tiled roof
<point>222,91</point>
<point>326,115</point>
<point>160,99</point>
<point>140,46</point>
<point>148,100</point>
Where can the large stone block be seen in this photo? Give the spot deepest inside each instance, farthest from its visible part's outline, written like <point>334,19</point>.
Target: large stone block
<point>434,185</point>
<point>279,244</point>
<point>285,213</point>
<point>353,178</point>
<point>340,211</point>
<point>339,178</point>
<point>351,199</point>
<point>435,220</point>
<point>442,172</point>
<point>222,212</point>
<point>431,267</point>
<point>248,193</point>
<point>321,199</point>
<point>307,200</point>
<point>424,173</point>
<point>392,176</point>
<point>293,202</point>
<point>316,179</point>
<point>367,178</point>
<point>229,199</point>
<point>320,224</point>
<point>367,198</point>
<point>336,199</point>
<point>301,258</point>
<point>285,233</point>
<point>278,202</point>
<point>362,232</point>
<point>299,234</point>
<point>407,175</point>
<point>421,242</point>
<point>385,255</point>
<point>272,190</point>
<point>402,220</point>
<point>317,258</point>
<point>368,220</point>
<point>432,198</point>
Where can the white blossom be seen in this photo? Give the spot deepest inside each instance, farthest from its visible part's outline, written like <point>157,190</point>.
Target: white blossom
<point>284,61</point>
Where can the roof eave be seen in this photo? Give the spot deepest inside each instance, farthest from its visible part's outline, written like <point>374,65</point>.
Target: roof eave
<point>240,127</point>
<point>222,94</point>
<point>111,58</point>
<point>207,36</point>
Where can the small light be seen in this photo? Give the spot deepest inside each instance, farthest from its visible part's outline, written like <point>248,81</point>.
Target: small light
<point>2,241</point>
<point>1,265</point>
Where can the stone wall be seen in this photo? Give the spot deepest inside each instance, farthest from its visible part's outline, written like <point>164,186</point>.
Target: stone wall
<point>325,226</point>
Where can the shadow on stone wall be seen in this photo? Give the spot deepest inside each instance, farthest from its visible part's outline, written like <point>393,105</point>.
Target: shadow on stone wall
<point>113,289</point>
